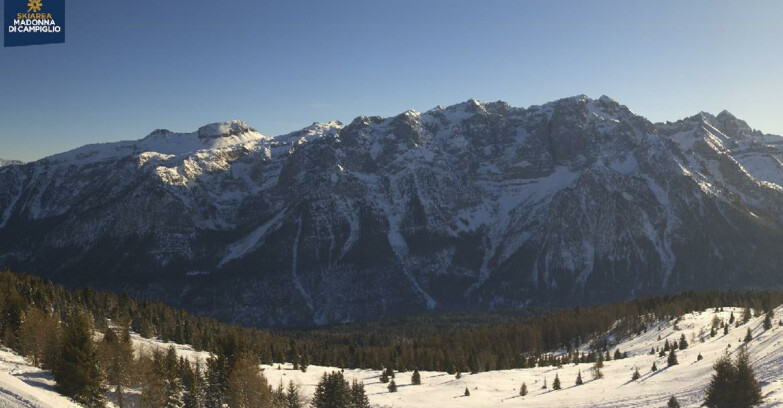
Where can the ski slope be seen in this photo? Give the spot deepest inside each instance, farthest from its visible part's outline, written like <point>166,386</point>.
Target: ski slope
<point>24,386</point>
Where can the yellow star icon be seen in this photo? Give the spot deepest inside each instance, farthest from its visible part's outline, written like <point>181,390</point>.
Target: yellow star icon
<point>34,5</point>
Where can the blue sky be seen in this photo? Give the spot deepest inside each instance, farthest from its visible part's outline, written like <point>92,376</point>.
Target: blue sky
<point>128,67</point>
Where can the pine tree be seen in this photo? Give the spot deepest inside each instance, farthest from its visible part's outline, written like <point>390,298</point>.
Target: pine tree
<point>597,366</point>
<point>246,386</point>
<point>720,390</point>
<point>636,375</point>
<point>683,342</point>
<point>672,359</point>
<point>458,375</point>
<point>731,318</point>
<point>654,367</point>
<point>392,386</point>
<point>748,336</point>
<point>358,395</point>
<point>384,378</point>
<point>216,379</point>
<point>579,378</point>
<point>117,355</point>
<point>556,383</point>
<point>192,384</point>
<point>416,377</point>
<point>467,392</point>
<point>523,390</point>
<point>617,354</point>
<point>332,391</point>
<point>747,387</point>
<point>77,372</point>
<point>673,403</point>
<point>294,397</point>
<point>279,396</point>
<point>768,321</point>
<point>699,357</point>
<point>725,329</point>
<point>543,387</point>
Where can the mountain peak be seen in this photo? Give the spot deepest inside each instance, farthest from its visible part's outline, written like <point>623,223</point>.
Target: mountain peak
<point>223,129</point>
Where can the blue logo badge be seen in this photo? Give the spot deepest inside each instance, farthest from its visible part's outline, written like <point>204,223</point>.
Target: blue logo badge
<point>31,22</point>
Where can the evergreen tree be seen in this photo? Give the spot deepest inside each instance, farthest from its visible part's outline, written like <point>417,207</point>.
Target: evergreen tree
<point>617,354</point>
<point>579,378</point>
<point>699,357</point>
<point>117,356</point>
<point>358,395</point>
<point>731,318</point>
<point>635,375</point>
<point>77,371</point>
<point>192,384</point>
<point>748,336</point>
<point>672,359</point>
<point>597,366</point>
<point>768,321</point>
<point>279,396</point>
<point>294,397</point>
<point>332,391</point>
<point>673,403</point>
<point>556,383</point>
<point>733,384</point>
<point>216,380</point>
<point>467,392</point>
<point>683,342</point>
<point>458,375</point>
<point>543,387</point>
<point>725,329</point>
<point>720,391</point>
<point>747,387</point>
<point>654,367</point>
<point>392,386</point>
<point>246,386</point>
<point>746,315</point>
<point>384,378</point>
<point>523,390</point>
<point>39,337</point>
<point>416,377</point>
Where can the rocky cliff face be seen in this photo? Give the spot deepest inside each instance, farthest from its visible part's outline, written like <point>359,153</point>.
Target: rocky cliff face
<point>474,206</point>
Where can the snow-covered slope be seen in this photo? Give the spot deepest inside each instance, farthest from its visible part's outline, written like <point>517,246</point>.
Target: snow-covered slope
<point>473,206</point>
<point>687,380</point>
<point>25,386</point>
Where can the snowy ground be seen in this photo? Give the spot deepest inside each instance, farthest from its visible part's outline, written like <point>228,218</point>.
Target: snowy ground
<point>686,381</point>
<point>24,386</point>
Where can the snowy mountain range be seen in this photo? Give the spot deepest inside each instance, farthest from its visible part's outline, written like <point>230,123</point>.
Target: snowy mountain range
<point>471,207</point>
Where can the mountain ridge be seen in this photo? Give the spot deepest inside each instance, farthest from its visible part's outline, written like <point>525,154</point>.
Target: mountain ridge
<point>479,205</point>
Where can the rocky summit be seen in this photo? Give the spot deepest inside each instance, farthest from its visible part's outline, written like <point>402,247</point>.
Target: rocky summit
<point>476,206</point>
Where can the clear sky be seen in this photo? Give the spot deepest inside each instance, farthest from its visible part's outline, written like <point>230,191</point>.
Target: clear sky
<point>128,67</point>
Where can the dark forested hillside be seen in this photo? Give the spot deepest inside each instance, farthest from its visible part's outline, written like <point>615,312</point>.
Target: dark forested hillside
<point>463,342</point>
